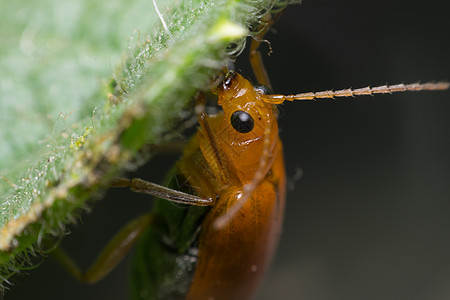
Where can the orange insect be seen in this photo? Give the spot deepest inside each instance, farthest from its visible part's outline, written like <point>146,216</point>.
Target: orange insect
<point>218,241</point>
<point>246,161</point>
<point>220,244</point>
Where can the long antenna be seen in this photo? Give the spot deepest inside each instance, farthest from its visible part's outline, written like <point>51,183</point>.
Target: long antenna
<point>384,89</point>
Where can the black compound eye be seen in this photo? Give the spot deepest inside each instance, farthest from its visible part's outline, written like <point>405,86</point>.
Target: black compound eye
<point>242,121</point>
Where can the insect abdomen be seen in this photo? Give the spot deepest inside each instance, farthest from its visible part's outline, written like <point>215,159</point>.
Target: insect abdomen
<point>234,259</point>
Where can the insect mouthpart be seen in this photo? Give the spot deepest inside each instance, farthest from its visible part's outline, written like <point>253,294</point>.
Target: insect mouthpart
<point>227,83</point>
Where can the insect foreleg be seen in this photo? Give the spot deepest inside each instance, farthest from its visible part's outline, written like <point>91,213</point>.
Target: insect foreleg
<point>111,255</point>
<point>138,185</point>
<point>255,56</point>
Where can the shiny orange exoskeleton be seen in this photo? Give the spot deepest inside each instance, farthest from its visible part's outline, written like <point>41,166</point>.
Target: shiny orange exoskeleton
<point>230,181</point>
<point>234,164</point>
<point>243,158</point>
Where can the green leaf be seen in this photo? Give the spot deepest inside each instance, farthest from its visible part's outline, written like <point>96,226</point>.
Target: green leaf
<point>67,126</point>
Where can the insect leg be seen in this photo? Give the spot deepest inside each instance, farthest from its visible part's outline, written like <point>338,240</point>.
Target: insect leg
<point>111,255</point>
<point>217,161</point>
<point>255,56</point>
<point>145,187</point>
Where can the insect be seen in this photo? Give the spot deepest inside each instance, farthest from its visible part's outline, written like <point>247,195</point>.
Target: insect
<point>220,244</point>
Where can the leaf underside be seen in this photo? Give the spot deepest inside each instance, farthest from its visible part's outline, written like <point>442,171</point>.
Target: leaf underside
<point>66,129</point>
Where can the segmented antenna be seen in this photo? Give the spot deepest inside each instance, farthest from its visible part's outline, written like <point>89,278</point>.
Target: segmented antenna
<point>384,89</point>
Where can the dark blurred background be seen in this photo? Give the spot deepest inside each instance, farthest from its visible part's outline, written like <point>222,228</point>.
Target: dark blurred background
<point>370,216</point>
